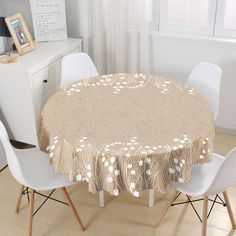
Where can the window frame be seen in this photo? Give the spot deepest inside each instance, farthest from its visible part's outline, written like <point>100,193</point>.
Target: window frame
<point>220,31</point>
<point>154,14</point>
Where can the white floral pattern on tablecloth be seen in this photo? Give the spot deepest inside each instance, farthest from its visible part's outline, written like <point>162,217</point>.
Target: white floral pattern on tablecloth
<point>102,168</point>
<point>119,82</point>
<point>86,128</point>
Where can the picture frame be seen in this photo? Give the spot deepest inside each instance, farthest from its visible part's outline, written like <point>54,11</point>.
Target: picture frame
<point>20,33</point>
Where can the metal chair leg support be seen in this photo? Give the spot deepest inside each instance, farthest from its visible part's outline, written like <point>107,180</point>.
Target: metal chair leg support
<point>3,168</point>
<point>51,198</point>
<point>212,206</point>
<point>197,200</point>
<point>43,202</point>
<point>222,202</point>
<point>194,209</point>
<point>27,192</point>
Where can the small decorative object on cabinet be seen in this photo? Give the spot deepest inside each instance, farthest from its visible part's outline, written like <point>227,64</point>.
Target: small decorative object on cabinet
<point>27,84</point>
<point>20,33</point>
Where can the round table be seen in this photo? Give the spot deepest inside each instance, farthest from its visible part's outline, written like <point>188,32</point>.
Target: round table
<point>126,132</point>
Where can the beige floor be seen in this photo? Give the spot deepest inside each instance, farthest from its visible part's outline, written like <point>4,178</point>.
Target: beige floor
<point>123,215</point>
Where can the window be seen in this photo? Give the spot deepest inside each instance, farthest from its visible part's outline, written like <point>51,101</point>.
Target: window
<point>187,13</point>
<point>199,17</point>
<point>188,16</point>
<point>226,19</point>
<point>230,15</point>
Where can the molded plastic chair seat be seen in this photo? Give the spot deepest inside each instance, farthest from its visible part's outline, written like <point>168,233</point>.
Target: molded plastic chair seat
<point>207,179</point>
<point>31,168</point>
<point>202,175</point>
<point>205,78</point>
<point>38,171</point>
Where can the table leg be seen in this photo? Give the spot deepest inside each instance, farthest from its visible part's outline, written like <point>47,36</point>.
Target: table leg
<point>151,197</point>
<point>101,199</point>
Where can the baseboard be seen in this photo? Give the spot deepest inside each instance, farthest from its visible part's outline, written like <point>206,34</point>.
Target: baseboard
<point>225,130</point>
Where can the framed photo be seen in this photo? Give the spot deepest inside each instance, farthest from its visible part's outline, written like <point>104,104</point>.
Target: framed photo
<point>20,33</point>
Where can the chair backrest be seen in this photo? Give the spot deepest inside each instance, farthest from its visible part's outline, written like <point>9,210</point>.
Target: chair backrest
<point>205,78</point>
<point>75,67</point>
<point>12,160</point>
<point>225,176</point>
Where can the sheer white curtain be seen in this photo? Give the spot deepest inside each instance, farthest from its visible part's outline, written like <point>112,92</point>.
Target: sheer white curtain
<point>117,36</point>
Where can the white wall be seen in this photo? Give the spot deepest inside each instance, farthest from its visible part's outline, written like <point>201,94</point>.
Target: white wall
<point>10,7</point>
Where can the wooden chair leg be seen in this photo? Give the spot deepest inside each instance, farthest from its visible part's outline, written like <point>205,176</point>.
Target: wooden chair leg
<point>73,208</point>
<point>19,198</point>
<point>151,197</point>
<point>172,199</point>
<point>229,209</point>
<point>31,212</point>
<point>204,216</point>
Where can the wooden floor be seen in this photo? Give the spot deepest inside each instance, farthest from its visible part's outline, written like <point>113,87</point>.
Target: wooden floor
<point>122,216</point>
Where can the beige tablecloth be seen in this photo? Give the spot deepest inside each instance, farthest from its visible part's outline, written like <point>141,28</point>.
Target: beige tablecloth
<point>126,132</point>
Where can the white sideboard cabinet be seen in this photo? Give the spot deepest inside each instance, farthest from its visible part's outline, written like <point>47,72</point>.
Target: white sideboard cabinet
<point>26,85</point>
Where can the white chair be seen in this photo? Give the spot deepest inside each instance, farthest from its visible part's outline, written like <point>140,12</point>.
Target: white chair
<point>3,159</point>
<point>75,67</point>
<point>206,180</point>
<point>205,78</point>
<point>31,168</point>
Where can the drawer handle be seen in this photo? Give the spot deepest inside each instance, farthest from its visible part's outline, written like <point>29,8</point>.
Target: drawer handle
<point>45,81</point>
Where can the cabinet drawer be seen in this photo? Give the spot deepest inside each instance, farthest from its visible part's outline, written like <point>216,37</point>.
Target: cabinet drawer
<point>42,99</point>
<point>46,78</point>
